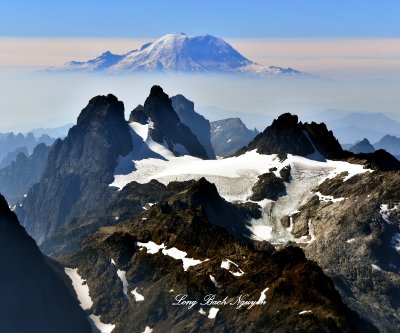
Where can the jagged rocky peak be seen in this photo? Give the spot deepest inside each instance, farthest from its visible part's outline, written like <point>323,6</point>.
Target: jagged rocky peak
<point>106,107</point>
<point>363,146</point>
<point>79,169</point>
<point>199,125</point>
<point>287,135</point>
<point>35,295</point>
<point>166,127</point>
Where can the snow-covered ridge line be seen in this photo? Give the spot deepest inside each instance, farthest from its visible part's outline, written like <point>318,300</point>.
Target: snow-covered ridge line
<point>178,52</point>
<point>234,178</point>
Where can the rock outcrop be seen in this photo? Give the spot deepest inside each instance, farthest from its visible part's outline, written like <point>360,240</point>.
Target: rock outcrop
<point>166,127</point>
<point>79,169</point>
<point>174,250</point>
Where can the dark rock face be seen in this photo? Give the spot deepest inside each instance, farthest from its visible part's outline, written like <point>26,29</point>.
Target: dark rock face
<point>287,135</point>
<point>79,169</point>
<point>167,128</point>
<point>17,178</point>
<point>268,186</point>
<point>229,135</point>
<point>294,283</point>
<point>378,160</point>
<point>199,125</point>
<point>355,242</point>
<point>35,292</point>
<point>135,199</point>
<point>364,146</point>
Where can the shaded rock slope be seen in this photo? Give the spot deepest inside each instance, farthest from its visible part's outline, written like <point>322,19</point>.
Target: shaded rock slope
<point>35,292</point>
<point>356,230</point>
<point>175,249</point>
<point>17,178</point>
<point>229,135</point>
<point>199,125</point>
<point>135,199</point>
<point>79,169</point>
<point>166,127</point>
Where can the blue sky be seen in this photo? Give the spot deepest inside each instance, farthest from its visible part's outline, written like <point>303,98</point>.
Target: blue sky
<point>228,19</point>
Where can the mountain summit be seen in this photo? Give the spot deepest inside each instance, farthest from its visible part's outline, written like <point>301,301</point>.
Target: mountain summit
<point>178,52</point>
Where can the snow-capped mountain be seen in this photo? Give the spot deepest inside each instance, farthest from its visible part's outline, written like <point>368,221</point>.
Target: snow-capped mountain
<point>178,52</point>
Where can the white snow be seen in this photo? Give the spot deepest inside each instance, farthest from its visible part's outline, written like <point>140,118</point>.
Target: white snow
<point>122,276</point>
<point>148,329</point>
<point>181,255</point>
<point>376,267</point>
<point>226,264</point>
<point>395,242</point>
<point>328,198</point>
<point>229,140</point>
<point>138,297</point>
<point>351,240</point>
<point>81,288</point>
<point>234,178</point>
<point>305,312</point>
<point>213,280</point>
<point>151,247</point>
<point>103,328</point>
<point>212,313</point>
<point>263,296</point>
<point>386,212</point>
<point>173,252</point>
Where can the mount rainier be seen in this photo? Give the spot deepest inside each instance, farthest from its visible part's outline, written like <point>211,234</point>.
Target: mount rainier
<point>178,52</point>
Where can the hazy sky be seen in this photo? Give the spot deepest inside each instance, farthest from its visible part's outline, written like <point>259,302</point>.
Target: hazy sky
<point>356,42</point>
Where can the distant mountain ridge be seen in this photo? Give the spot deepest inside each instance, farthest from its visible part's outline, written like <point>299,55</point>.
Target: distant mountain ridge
<point>229,135</point>
<point>178,52</point>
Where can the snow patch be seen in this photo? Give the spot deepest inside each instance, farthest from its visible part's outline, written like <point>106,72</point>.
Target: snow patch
<point>386,212</point>
<point>305,312</point>
<point>212,313</point>
<point>351,240</point>
<point>213,281</point>
<point>148,329</point>
<point>138,297</point>
<point>173,252</point>
<point>226,264</point>
<point>376,267</point>
<point>81,288</point>
<point>328,198</point>
<point>122,276</point>
<point>263,297</point>
<point>395,242</point>
<point>103,328</point>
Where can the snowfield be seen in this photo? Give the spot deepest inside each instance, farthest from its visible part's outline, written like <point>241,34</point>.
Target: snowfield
<point>81,288</point>
<point>234,178</point>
